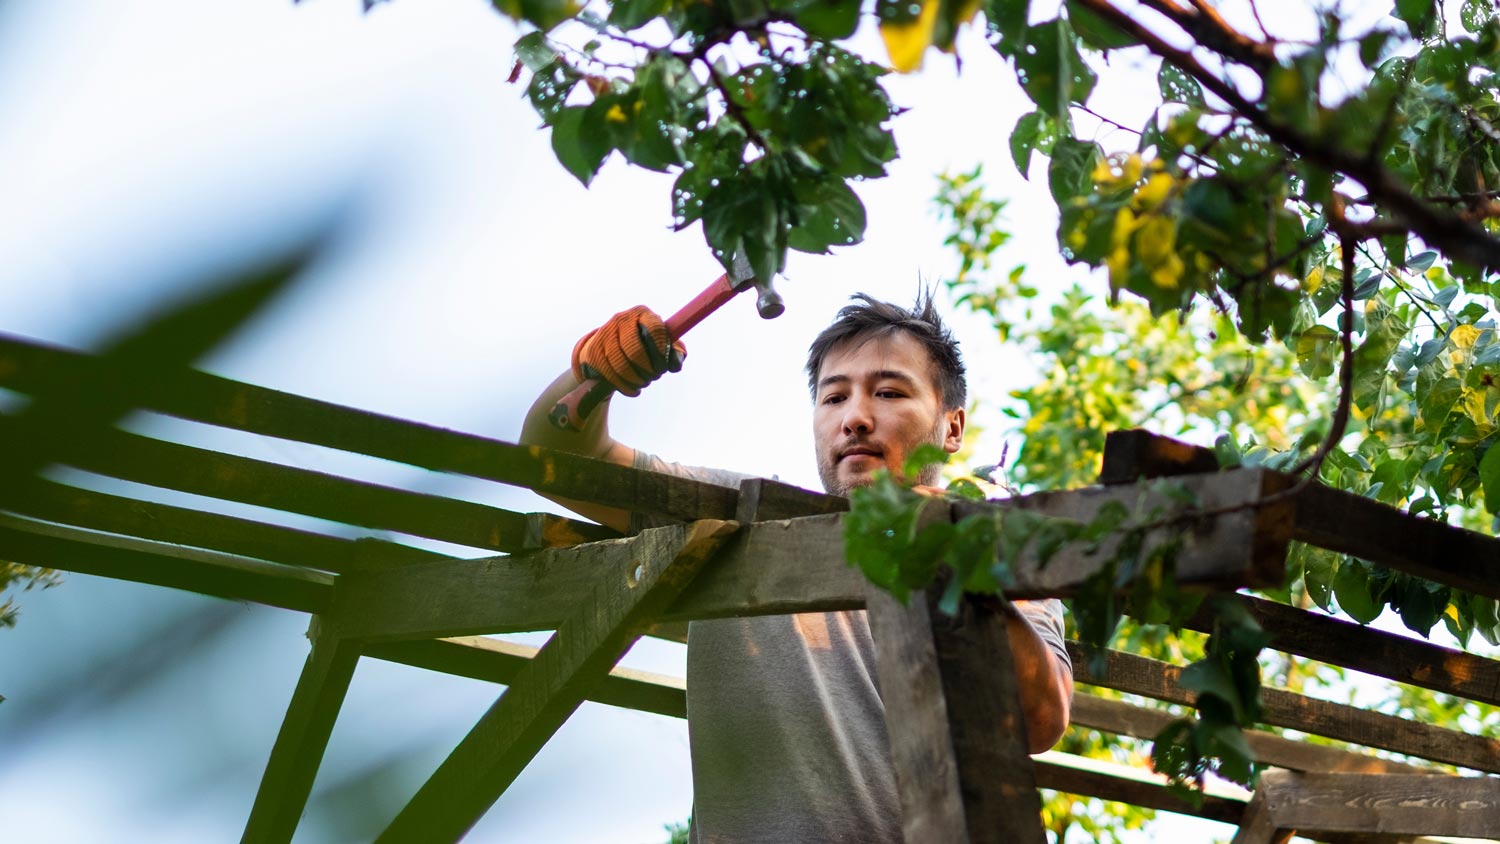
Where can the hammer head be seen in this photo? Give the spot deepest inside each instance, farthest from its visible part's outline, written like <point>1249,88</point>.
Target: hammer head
<point>767,301</point>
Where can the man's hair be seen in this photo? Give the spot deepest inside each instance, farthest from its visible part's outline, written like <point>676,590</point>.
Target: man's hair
<point>872,318</point>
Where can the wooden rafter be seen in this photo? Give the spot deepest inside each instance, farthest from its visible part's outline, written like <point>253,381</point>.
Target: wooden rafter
<point>551,686</point>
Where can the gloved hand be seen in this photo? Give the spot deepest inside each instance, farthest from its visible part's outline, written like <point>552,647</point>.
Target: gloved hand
<point>629,351</point>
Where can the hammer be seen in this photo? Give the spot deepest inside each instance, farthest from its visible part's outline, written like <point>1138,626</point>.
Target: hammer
<point>576,406</point>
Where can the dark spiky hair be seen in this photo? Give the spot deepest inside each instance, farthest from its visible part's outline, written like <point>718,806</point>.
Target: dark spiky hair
<point>871,318</point>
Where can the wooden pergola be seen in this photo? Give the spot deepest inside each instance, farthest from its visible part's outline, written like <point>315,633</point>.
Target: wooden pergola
<point>765,548</point>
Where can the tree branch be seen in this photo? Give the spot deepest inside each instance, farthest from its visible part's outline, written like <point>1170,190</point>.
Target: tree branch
<point>1451,233</point>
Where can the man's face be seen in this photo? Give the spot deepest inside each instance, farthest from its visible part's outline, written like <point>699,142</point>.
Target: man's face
<point>876,401</point>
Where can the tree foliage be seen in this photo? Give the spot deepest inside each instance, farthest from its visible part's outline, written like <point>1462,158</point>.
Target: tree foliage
<point>1313,213</point>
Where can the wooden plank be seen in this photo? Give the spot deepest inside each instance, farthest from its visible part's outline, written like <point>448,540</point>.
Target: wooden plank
<point>1339,521</point>
<point>302,740</point>
<point>1073,774</point>
<point>205,572</point>
<point>1127,719</point>
<point>1257,826</point>
<point>1135,454</point>
<point>1321,637</point>
<point>1259,533</point>
<point>1382,804</point>
<point>551,686</point>
<point>496,661</point>
<point>1152,678</point>
<point>132,457</point>
<point>84,508</point>
<point>769,568</point>
<point>1362,527</point>
<point>30,367</point>
<point>953,713</point>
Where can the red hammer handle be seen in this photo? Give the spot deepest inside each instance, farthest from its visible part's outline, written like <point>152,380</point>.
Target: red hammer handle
<point>570,413</point>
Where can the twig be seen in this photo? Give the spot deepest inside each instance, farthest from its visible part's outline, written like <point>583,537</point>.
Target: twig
<point>733,109</point>
<point>1446,231</point>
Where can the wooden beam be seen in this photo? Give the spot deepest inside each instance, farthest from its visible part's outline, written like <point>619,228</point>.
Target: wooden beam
<point>774,567</point>
<point>145,460</point>
<point>1127,719</point>
<point>1321,637</point>
<point>99,511</point>
<point>1073,774</point>
<point>1382,804</point>
<point>1258,827</point>
<point>1339,521</point>
<point>1152,678</point>
<point>205,572</point>
<point>302,740</point>
<point>31,367</point>
<point>495,661</point>
<point>552,685</point>
<point>953,713</point>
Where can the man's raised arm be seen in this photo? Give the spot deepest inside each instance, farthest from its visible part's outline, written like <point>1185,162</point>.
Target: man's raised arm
<point>629,351</point>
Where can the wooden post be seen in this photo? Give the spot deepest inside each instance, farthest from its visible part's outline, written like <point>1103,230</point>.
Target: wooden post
<point>304,736</point>
<point>549,687</point>
<point>953,711</point>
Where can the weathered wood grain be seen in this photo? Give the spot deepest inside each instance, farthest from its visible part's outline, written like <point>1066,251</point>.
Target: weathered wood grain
<point>1126,719</point>
<point>1241,545</point>
<point>204,572</point>
<point>550,686</point>
<point>1152,678</point>
<point>1258,827</point>
<point>302,740</point>
<point>1382,804</point>
<point>132,457</point>
<point>769,568</point>
<point>1136,786</point>
<point>92,510</point>
<point>953,713</point>
<point>495,661</point>
<point>32,367</point>
<point>1315,635</point>
<point>1337,520</point>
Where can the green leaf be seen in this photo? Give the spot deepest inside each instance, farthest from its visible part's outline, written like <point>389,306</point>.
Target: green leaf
<point>1051,71</point>
<point>1071,169</point>
<point>1353,588</point>
<point>1417,14</point>
<point>1317,348</point>
<point>534,51</point>
<point>1421,261</point>
<point>1477,14</point>
<point>632,14</point>
<point>1319,567</point>
<point>1023,140</point>
<point>1227,452</point>
<point>1177,86</point>
<point>1209,677</point>
<point>832,19</point>
<point>1420,604</point>
<point>924,455</point>
<point>1489,478</point>
<point>1096,31</point>
<point>579,141</point>
<point>829,215</point>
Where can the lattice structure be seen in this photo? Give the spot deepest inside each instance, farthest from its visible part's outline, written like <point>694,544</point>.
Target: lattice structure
<point>765,548</point>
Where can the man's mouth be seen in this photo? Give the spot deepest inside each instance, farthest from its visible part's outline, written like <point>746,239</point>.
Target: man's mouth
<point>860,451</point>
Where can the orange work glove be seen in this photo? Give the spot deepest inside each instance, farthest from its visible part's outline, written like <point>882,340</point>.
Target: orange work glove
<point>628,351</point>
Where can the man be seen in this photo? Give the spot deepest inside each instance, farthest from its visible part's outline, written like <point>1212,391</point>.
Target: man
<point>785,722</point>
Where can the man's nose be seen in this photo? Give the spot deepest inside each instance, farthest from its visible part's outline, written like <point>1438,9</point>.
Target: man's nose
<point>857,416</point>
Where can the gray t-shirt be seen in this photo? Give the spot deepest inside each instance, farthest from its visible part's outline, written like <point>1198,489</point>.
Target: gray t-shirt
<point>785,723</point>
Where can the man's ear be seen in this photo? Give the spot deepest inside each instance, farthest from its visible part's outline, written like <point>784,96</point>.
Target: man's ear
<point>953,430</point>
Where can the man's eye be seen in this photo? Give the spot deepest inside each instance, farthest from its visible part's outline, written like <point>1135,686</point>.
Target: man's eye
<point>832,399</point>
<point>891,394</point>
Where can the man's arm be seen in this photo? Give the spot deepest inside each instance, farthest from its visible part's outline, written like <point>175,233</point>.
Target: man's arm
<point>592,441</point>
<point>630,350</point>
<point>1046,684</point>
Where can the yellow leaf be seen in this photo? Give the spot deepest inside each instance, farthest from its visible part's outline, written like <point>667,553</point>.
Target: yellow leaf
<point>1149,197</point>
<point>906,42</point>
<point>1314,280</point>
<point>1168,272</point>
<point>615,114</point>
<point>1464,336</point>
<point>1156,240</point>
